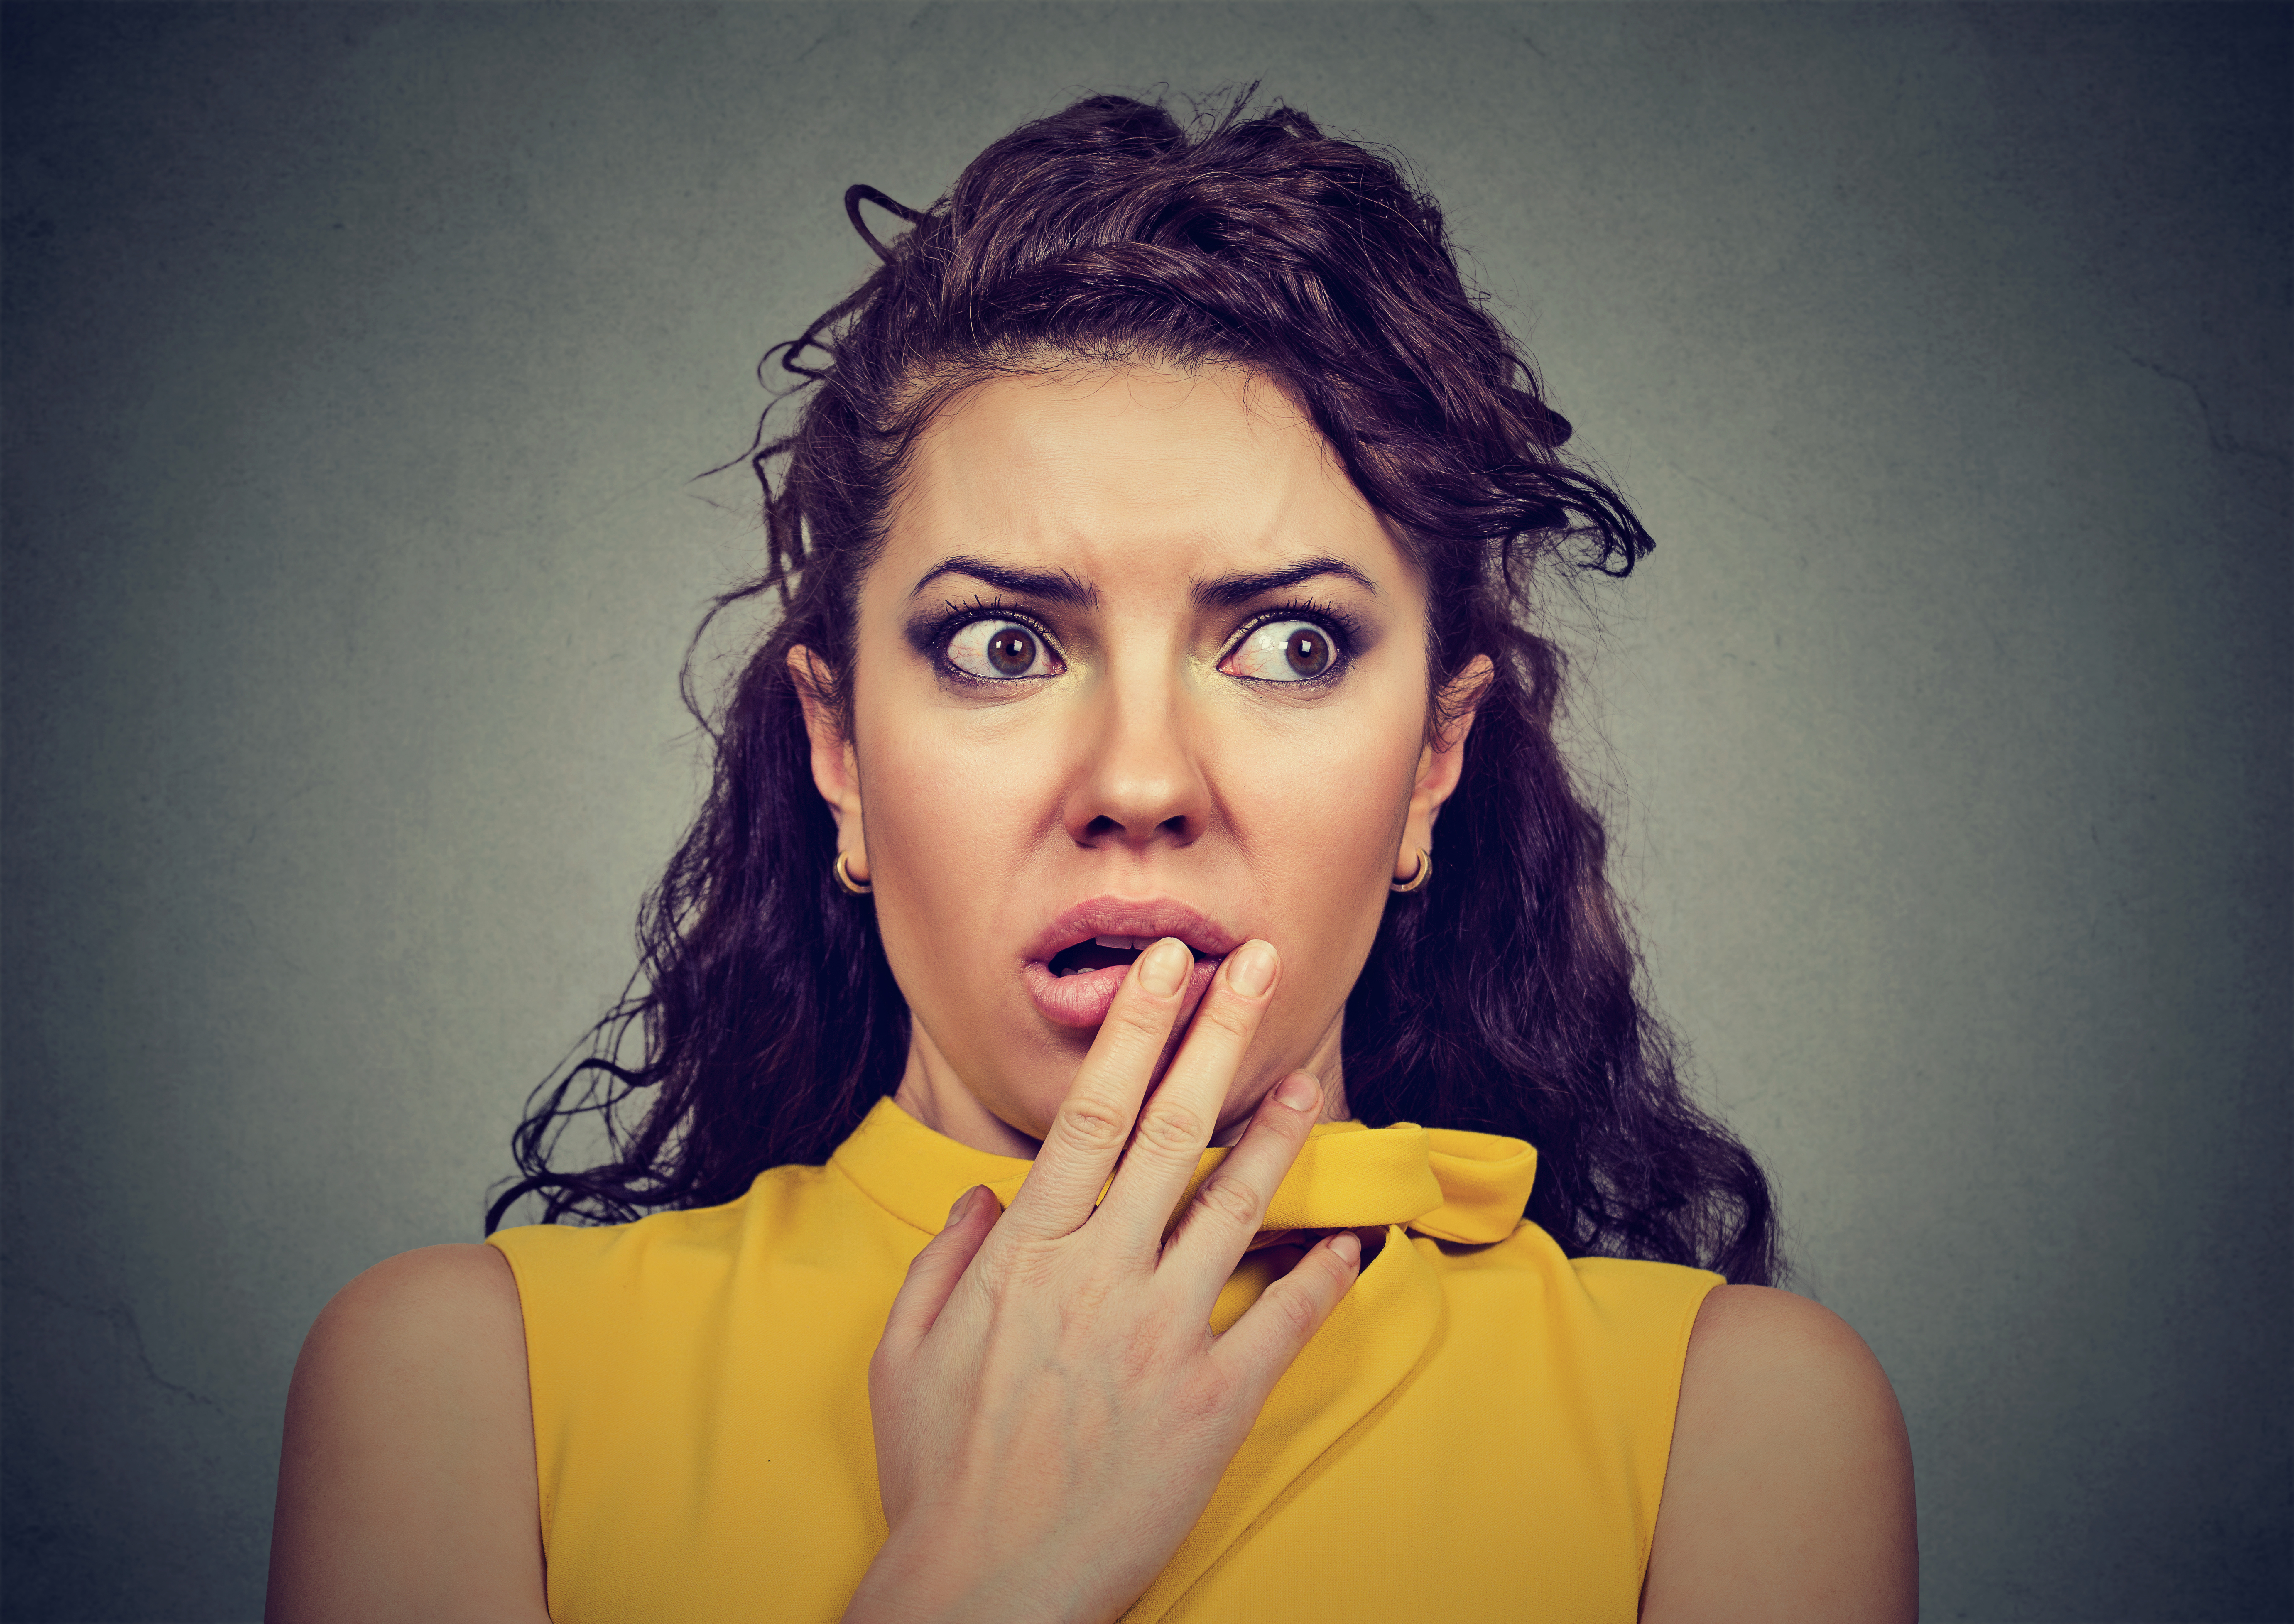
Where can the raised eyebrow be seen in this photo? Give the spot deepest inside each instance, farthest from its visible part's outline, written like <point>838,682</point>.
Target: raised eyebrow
<point>1227,591</point>
<point>1054,586</point>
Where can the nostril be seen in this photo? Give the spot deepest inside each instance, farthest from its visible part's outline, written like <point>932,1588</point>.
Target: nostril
<point>1180,827</point>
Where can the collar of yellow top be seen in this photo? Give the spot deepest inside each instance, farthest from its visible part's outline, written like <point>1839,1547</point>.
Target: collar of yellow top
<point>1444,1182</point>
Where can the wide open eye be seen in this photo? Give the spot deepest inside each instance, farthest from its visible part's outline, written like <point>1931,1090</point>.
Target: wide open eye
<point>1283,651</point>
<point>998,651</point>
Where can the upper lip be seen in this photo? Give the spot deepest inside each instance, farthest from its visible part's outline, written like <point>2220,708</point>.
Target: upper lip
<point>1154,919</point>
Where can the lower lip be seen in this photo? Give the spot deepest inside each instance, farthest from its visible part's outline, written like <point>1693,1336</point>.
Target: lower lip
<point>1084,998</point>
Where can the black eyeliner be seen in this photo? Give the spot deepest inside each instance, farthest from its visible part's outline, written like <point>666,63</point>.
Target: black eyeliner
<point>929,635</point>
<point>1346,637</point>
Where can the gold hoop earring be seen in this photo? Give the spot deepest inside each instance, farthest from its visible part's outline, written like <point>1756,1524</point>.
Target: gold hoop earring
<point>1425,872</point>
<point>858,888</point>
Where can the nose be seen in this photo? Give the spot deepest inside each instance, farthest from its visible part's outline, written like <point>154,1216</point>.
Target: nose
<point>1140,780</point>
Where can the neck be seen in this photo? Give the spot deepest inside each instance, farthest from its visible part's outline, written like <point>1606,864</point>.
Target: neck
<point>931,1092</point>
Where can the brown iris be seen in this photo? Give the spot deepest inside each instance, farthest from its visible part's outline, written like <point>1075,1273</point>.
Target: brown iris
<point>1011,650</point>
<point>1309,651</point>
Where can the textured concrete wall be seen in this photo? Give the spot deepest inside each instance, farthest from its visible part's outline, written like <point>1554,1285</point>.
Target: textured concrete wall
<point>357,363</point>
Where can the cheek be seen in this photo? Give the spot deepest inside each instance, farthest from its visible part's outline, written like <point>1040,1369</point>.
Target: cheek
<point>959,821</point>
<point>950,815</point>
<point>1319,826</point>
<point>1330,806</point>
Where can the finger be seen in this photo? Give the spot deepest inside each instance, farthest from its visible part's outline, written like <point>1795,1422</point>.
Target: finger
<point>933,1274</point>
<point>1259,1347</point>
<point>1177,1122</point>
<point>1220,1222</point>
<point>1095,1118</point>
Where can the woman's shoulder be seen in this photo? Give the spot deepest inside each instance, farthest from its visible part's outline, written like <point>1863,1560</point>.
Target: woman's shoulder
<point>407,1471</point>
<point>1789,1486</point>
<point>1744,1331</point>
<point>1756,1351</point>
<point>453,1280</point>
<point>445,1316</point>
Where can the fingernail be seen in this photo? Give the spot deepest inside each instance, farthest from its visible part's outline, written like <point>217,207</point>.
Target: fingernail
<point>956,1211</point>
<point>1299,1091</point>
<point>1165,965</point>
<point>1345,1245</point>
<point>1251,971</point>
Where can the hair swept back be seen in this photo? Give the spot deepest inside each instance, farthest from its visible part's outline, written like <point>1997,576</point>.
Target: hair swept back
<point>1501,998</point>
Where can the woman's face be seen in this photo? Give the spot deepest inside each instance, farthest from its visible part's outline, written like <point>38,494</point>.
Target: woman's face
<point>1137,660</point>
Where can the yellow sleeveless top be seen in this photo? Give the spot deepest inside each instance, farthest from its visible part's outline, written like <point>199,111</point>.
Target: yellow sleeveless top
<point>1479,1431</point>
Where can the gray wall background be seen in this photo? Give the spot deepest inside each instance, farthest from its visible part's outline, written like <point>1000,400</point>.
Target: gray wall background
<point>359,360</point>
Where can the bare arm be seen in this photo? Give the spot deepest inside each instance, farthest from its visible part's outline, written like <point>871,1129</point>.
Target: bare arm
<point>1788,1496</point>
<point>406,1484</point>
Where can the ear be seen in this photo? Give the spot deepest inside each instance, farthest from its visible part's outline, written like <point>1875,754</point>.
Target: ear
<point>835,770</point>
<point>1440,761</point>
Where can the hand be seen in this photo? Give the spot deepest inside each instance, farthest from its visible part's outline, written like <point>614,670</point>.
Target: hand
<point>1051,1409</point>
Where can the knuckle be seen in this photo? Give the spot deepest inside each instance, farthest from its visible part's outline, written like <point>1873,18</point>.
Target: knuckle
<point>1297,1311</point>
<point>1093,1124</point>
<point>1141,1020</point>
<point>1173,1126</point>
<point>998,1273</point>
<point>1225,1195</point>
<point>989,1269</point>
<point>1229,1016</point>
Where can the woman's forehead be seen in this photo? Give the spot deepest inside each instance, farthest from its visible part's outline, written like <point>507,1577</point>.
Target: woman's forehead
<point>1130,474</point>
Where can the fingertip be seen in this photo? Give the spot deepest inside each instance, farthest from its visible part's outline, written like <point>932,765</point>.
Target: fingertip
<point>970,1205</point>
<point>1301,1091</point>
<point>938,1264</point>
<point>1345,1245</point>
<point>1162,969</point>
<point>1250,968</point>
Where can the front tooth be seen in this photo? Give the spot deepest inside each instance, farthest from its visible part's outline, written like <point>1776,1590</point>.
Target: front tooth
<point>1114,941</point>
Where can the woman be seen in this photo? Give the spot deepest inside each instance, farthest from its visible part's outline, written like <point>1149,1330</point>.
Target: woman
<point>1154,544</point>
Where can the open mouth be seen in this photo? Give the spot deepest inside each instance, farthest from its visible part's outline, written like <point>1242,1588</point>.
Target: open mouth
<point>1079,961</point>
<point>1108,953</point>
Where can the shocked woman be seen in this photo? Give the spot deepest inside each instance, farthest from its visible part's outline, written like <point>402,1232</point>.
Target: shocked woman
<point>1143,1107</point>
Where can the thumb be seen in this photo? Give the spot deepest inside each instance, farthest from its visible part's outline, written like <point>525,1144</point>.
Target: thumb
<point>933,1276</point>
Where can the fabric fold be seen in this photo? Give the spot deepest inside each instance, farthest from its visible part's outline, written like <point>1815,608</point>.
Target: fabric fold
<point>1447,1183</point>
<point>1500,1412</point>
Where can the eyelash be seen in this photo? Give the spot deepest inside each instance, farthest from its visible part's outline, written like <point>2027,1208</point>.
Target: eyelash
<point>934,639</point>
<point>1345,633</point>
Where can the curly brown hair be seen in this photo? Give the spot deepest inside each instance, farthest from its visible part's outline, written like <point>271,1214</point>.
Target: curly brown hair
<point>1501,998</point>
